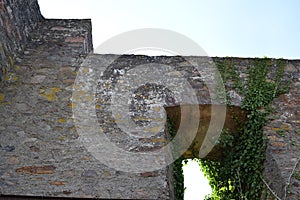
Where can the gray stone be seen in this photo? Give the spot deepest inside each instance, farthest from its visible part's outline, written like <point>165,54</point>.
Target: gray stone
<point>290,68</point>
<point>8,148</point>
<point>22,18</point>
<point>23,108</point>
<point>37,79</point>
<point>38,128</point>
<point>89,174</point>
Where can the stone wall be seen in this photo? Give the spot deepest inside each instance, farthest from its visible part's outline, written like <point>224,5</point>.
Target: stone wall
<point>18,19</point>
<point>45,124</point>
<point>40,149</point>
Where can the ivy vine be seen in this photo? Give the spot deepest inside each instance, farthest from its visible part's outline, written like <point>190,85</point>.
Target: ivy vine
<point>177,168</point>
<point>237,175</point>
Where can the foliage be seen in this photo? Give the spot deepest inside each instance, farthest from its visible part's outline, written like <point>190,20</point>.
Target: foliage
<point>238,174</point>
<point>177,169</point>
<point>179,179</point>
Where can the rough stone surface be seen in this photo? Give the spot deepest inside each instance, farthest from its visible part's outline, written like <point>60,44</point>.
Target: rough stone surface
<point>18,19</point>
<point>283,133</point>
<point>41,149</point>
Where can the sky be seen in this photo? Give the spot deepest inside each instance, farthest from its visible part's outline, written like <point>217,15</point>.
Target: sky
<point>197,186</point>
<point>255,28</point>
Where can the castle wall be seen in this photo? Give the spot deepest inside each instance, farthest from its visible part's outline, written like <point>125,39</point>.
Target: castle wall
<point>42,147</point>
<point>18,19</point>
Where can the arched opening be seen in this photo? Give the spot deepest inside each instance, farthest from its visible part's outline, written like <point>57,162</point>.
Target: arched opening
<point>205,144</point>
<point>194,184</point>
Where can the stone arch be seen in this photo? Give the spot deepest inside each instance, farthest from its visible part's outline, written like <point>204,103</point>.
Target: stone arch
<point>235,118</point>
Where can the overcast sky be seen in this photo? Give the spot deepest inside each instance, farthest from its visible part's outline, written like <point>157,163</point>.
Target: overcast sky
<point>253,28</point>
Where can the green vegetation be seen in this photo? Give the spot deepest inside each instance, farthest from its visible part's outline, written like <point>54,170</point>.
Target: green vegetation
<point>297,175</point>
<point>281,133</point>
<point>238,174</point>
<point>177,169</point>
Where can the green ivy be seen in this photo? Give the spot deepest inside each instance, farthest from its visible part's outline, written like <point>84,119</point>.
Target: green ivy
<point>178,176</point>
<point>237,175</point>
